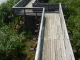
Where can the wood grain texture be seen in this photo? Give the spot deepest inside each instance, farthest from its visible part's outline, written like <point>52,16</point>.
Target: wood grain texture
<point>69,51</point>
<point>53,47</point>
<point>29,5</point>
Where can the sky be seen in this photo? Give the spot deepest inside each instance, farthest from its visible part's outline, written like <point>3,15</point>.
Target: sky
<point>1,1</point>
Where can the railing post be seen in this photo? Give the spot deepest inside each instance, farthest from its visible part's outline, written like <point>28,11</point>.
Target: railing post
<point>18,19</point>
<point>14,19</point>
<point>24,18</point>
<point>48,7</point>
<point>36,14</point>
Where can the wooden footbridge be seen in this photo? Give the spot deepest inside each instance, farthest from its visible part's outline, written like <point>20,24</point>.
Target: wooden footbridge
<point>53,40</point>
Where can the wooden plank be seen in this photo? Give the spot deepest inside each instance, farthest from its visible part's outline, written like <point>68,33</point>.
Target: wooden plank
<point>48,6</point>
<point>69,51</point>
<point>38,55</point>
<point>29,14</point>
<point>53,47</point>
<point>22,3</point>
<point>29,5</point>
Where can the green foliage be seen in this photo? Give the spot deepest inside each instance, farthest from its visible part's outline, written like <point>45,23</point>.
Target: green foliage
<point>5,11</point>
<point>12,45</point>
<point>72,12</point>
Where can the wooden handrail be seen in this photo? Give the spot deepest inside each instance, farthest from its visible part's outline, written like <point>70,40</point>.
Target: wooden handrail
<point>21,3</point>
<point>40,38</point>
<point>68,48</point>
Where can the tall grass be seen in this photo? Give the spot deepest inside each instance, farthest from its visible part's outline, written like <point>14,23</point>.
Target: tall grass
<point>72,12</point>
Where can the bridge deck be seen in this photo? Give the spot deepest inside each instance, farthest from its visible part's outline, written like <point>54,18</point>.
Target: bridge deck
<point>29,5</point>
<point>53,47</point>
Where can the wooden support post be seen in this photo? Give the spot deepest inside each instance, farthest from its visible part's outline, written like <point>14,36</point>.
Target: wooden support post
<point>36,31</point>
<point>14,17</point>
<point>48,7</point>
<point>36,14</point>
<point>74,51</point>
<point>37,25</point>
<point>71,40</point>
<point>14,23</point>
<point>35,39</point>
<point>14,20</point>
<point>24,18</point>
<point>18,19</point>
<point>69,32</point>
<point>35,46</point>
<point>67,25</point>
<point>33,49</point>
<point>66,20</point>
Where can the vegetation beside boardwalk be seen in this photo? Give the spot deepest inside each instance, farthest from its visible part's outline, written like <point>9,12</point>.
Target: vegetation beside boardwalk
<point>72,12</point>
<point>12,43</point>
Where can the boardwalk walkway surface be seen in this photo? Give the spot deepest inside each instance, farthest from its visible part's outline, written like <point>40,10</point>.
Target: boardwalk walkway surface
<point>29,5</point>
<point>53,47</point>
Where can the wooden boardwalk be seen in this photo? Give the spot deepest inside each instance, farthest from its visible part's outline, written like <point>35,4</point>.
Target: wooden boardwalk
<point>53,43</point>
<point>53,47</point>
<point>29,5</point>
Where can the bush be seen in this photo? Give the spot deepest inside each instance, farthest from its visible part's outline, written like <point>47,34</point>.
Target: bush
<point>12,45</point>
<point>5,11</point>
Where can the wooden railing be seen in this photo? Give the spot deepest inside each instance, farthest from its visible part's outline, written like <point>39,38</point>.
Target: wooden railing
<point>22,3</point>
<point>68,48</point>
<point>48,6</point>
<point>23,10</point>
<point>38,55</point>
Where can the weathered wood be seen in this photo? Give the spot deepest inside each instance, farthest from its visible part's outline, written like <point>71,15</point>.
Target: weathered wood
<point>38,55</point>
<point>74,51</point>
<point>68,48</point>
<point>69,32</point>
<point>28,11</point>
<point>36,31</point>
<point>67,25</point>
<point>35,39</point>
<point>29,14</point>
<point>22,3</point>
<point>71,40</point>
<point>32,49</point>
<point>37,24</point>
<point>29,5</point>
<point>48,6</point>
<point>53,47</point>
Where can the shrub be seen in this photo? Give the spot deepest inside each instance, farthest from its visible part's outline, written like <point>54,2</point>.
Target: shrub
<point>12,45</point>
<point>5,11</point>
